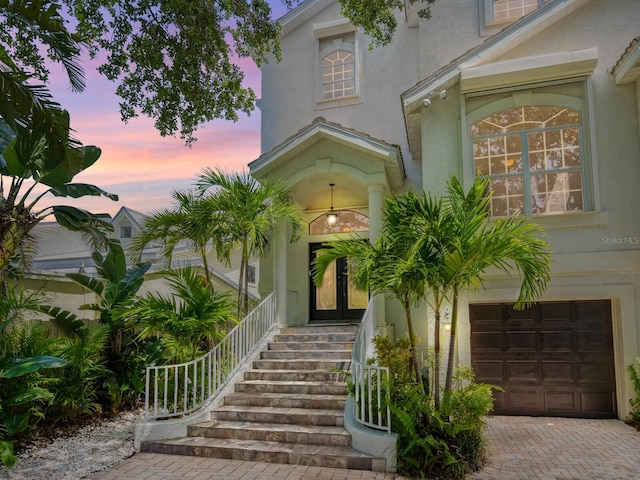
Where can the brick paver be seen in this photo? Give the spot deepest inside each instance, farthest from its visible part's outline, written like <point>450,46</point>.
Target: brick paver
<point>522,448</point>
<point>525,448</point>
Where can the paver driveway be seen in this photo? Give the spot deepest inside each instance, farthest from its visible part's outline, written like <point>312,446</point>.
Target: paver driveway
<point>561,448</point>
<point>523,448</point>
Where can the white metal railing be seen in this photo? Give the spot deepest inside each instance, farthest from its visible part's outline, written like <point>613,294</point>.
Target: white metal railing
<point>175,390</point>
<point>371,382</point>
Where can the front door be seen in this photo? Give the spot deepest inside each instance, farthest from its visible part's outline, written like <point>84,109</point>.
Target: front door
<point>337,299</point>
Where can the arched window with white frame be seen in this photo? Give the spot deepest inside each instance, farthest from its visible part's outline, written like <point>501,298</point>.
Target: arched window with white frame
<point>338,67</point>
<point>533,156</point>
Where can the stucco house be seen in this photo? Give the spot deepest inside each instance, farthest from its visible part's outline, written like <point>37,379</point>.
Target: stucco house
<point>540,96</point>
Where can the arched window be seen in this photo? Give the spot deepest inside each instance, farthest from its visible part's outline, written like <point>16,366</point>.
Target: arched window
<point>337,67</point>
<point>532,155</point>
<point>348,221</point>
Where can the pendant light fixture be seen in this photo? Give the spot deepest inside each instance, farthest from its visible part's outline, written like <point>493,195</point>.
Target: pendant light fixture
<point>332,217</point>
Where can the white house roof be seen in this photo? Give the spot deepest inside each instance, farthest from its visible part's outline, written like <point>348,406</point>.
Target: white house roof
<point>627,68</point>
<point>323,129</point>
<point>58,248</point>
<point>59,251</point>
<point>136,218</point>
<point>301,13</point>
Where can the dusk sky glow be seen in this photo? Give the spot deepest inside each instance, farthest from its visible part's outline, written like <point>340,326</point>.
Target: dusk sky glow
<point>139,165</point>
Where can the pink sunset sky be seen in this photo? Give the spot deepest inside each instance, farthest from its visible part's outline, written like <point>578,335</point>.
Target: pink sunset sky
<point>139,165</point>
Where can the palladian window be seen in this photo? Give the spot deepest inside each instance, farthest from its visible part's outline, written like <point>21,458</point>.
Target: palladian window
<point>345,221</point>
<point>532,155</point>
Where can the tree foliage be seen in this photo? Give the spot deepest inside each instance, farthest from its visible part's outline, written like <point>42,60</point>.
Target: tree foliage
<point>37,147</point>
<point>190,321</point>
<point>247,212</point>
<point>378,18</point>
<point>175,61</point>
<point>189,220</point>
<point>433,249</point>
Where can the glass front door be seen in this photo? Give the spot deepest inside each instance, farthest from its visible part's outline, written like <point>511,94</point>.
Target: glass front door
<point>337,299</point>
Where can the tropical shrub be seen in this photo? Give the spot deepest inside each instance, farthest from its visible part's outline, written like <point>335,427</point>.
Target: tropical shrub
<point>115,287</point>
<point>445,442</point>
<point>633,418</point>
<point>187,323</point>
<point>79,384</point>
<point>397,357</point>
<point>24,351</point>
<point>17,400</point>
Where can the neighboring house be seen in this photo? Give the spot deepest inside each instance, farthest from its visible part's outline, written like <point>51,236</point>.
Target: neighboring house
<point>60,251</point>
<point>542,97</point>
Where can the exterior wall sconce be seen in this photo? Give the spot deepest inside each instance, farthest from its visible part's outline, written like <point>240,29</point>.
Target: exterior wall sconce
<point>332,216</point>
<point>446,319</point>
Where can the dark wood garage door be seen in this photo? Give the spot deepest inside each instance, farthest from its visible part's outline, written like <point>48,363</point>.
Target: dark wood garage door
<point>554,359</point>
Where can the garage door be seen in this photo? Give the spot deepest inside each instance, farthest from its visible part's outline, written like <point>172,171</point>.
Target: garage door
<point>554,359</point>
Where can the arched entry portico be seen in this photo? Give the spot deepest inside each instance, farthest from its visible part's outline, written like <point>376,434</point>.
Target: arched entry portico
<point>362,170</point>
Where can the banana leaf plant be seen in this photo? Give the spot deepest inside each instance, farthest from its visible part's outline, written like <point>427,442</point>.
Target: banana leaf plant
<point>13,418</point>
<point>40,159</point>
<point>115,286</point>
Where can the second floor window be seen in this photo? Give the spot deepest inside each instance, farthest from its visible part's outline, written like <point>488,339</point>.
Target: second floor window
<point>338,67</point>
<point>532,155</point>
<point>498,13</point>
<point>510,10</point>
<point>125,231</point>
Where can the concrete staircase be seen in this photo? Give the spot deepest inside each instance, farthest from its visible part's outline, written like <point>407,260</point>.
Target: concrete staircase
<point>288,409</point>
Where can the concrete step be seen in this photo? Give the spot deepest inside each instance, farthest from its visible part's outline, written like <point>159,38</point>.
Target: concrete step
<point>314,337</point>
<point>313,329</point>
<point>300,354</point>
<point>298,416</point>
<point>286,400</point>
<point>326,364</point>
<point>272,432</point>
<point>264,451</point>
<point>293,375</point>
<point>288,409</point>
<point>311,346</point>
<point>269,386</point>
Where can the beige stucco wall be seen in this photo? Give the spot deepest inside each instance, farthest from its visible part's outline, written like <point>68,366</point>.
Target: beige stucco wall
<point>596,254</point>
<point>288,99</point>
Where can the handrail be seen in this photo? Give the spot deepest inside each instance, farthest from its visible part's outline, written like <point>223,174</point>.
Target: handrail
<point>371,382</point>
<point>180,389</point>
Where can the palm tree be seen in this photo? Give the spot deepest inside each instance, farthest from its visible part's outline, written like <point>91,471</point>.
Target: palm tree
<point>189,322</point>
<point>389,265</point>
<point>189,221</point>
<point>248,211</point>
<point>433,249</point>
<point>474,244</point>
<point>416,222</point>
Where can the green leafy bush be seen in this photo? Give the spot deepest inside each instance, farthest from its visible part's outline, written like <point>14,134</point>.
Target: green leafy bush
<point>24,351</point>
<point>633,418</point>
<point>435,443</point>
<point>79,384</point>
